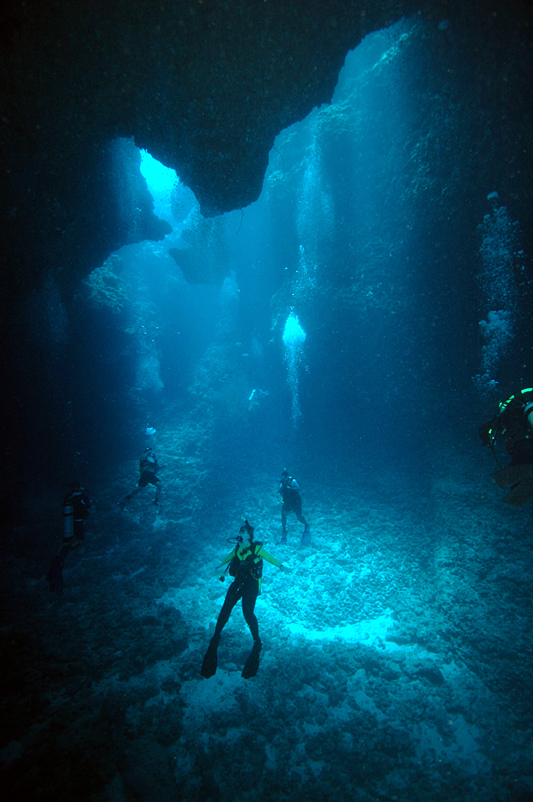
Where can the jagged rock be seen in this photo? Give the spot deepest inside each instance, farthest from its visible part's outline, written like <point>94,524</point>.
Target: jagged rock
<point>205,87</point>
<point>103,287</point>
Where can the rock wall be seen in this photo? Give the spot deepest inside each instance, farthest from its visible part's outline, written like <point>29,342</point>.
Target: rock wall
<point>205,87</point>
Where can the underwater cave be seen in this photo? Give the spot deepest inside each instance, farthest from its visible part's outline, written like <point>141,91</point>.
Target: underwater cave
<point>267,265</point>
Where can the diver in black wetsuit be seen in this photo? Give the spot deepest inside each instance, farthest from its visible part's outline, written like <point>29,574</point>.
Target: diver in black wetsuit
<point>74,511</point>
<point>148,467</point>
<point>513,425</point>
<point>246,565</point>
<point>291,501</point>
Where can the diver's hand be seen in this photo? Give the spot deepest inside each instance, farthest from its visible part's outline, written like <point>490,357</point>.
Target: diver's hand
<point>284,568</point>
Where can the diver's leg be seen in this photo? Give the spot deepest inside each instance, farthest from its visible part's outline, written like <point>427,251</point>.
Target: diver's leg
<point>248,603</point>
<point>249,598</point>
<point>232,597</point>
<point>79,533</point>
<point>297,507</point>
<point>158,487</point>
<point>129,497</point>
<point>55,575</point>
<point>64,548</point>
<point>302,520</point>
<point>209,664</point>
<point>55,572</point>
<point>306,537</point>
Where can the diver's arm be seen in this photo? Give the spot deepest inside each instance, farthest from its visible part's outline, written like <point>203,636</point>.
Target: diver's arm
<point>293,489</point>
<point>227,559</point>
<point>270,559</point>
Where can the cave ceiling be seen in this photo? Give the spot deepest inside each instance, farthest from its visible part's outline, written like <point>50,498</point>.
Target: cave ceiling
<point>204,85</point>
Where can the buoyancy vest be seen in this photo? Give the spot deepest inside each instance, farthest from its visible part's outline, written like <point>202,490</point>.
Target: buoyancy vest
<point>290,489</point>
<point>148,462</point>
<point>247,561</point>
<point>511,422</point>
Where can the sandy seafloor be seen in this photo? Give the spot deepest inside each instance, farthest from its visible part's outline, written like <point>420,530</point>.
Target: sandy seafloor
<point>396,663</point>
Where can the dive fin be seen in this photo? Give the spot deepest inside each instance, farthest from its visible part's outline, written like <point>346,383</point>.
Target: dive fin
<point>520,479</point>
<point>252,663</point>
<point>209,665</point>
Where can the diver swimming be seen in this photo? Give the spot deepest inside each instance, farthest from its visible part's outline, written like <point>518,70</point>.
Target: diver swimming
<point>148,467</point>
<point>513,425</point>
<point>291,501</point>
<point>74,511</point>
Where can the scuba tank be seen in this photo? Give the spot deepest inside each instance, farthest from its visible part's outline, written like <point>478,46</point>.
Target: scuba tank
<point>67,513</point>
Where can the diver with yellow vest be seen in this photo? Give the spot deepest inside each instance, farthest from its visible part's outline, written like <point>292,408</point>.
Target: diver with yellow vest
<point>245,564</point>
<point>513,425</point>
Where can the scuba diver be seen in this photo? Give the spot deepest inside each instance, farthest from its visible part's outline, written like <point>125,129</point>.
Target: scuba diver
<point>245,564</point>
<point>255,399</point>
<point>291,500</point>
<point>74,511</point>
<point>148,466</point>
<point>513,425</point>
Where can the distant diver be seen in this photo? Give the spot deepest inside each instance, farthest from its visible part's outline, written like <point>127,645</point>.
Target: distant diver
<point>291,501</point>
<point>245,564</point>
<point>514,426</point>
<point>148,466</point>
<point>74,511</point>
<point>256,396</point>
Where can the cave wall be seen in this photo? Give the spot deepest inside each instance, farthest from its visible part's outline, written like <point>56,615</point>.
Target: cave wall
<point>204,86</point>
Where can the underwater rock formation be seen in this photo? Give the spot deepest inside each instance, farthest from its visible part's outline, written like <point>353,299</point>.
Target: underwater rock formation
<point>103,289</point>
<point>201,262</point>
<point>205,87</point>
